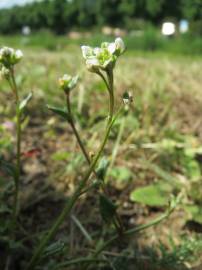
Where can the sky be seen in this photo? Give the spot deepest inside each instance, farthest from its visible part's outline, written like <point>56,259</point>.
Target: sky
<point>10,3</point>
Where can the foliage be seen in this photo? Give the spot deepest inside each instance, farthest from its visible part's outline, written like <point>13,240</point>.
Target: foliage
<point>61,15</point>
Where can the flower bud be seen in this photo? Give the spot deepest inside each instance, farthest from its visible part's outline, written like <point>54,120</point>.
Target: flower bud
<point>67,82</point>
<point>18,55</point>
<point>5,72</point>
<point>120,46</point>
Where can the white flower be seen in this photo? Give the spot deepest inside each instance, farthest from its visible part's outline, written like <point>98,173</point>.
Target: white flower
<point>10,57</point>
<point>104,57</point>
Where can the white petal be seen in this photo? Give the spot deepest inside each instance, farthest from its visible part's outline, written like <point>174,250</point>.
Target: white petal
<point>93,62</point>
<point>111,47</point>
<point>86,51</point>
<point>97,51</point>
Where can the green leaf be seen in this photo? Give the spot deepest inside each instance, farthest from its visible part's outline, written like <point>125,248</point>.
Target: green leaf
<point>24,102</point>
<point>102,168</point>
<point>121,174</point>
<point>107,208</point>
<point>195,211</point>
<point>54,248</point>
<point>60,155</point>
<point>60,111</point>
<point>152,195</point>
<point>195,191</point>
<point>192,168</point>
<point>161,173</point>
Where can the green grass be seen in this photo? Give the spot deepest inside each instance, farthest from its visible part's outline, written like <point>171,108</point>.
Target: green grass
<point>161,143</point>
<point>150,40</point>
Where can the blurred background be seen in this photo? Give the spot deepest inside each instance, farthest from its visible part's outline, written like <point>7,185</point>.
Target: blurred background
<point>146,24</point>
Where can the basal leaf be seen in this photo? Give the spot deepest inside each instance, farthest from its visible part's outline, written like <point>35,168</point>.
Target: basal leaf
<point>152,195</point>
<point>195,211</point>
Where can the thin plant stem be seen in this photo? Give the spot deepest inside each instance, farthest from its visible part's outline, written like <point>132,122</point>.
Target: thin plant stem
<point>110,87</point>
<point>82,229</point>
<point>78,261</point>
<point>118,227</point>
<point>131,232</point>
<point>14,88</point>
<point>111,93</point>
<point>70,202</point>
<point>18,163</point>
<point>117,144</point>
<point>71,122</point>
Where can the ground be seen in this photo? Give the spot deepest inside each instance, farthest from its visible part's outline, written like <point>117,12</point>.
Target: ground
<point>149,145</point>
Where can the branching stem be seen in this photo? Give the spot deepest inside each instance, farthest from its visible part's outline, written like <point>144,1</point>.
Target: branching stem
<point>70,202</point>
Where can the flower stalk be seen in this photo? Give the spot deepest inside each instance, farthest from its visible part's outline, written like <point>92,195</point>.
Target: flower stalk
<point>8,59</point>
<point>18,150</point>
<point>70,202</point>
<point>67,83</point>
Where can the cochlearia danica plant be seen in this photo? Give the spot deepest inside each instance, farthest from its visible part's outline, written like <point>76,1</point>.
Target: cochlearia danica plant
<point>100,61</point>
<point>8,59</point>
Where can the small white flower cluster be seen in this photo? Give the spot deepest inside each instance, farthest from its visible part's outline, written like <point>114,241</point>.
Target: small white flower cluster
<point>8,58</point>
<point>67,82</point>
<point>104,57</point>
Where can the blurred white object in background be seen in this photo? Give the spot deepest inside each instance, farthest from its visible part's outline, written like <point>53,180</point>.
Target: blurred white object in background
<point>118,32</point>
<point>107,30</point>
<point>183,26</point>
<point>26,30</point>
<point>168,29</point>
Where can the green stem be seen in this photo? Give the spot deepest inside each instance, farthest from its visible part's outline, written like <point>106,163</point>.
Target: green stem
<point>70,203</point>
<point>111,93</point>
<point>18,162</point>
<point>71,122</point>
<point>132,231</point>
<point>14,85</point>
<point>110,87</point>
<point>78,261</point>
<point>119,227</point>
<point>14,88</point>
<point>117,144</point>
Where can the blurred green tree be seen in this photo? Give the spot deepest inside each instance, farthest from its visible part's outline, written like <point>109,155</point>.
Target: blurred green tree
<point>62,15</point>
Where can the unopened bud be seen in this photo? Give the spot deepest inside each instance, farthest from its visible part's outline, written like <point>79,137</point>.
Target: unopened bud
<point>18,55</point>
<point>67,82</point>
<point>5,72</point>
<point>127,98</point>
